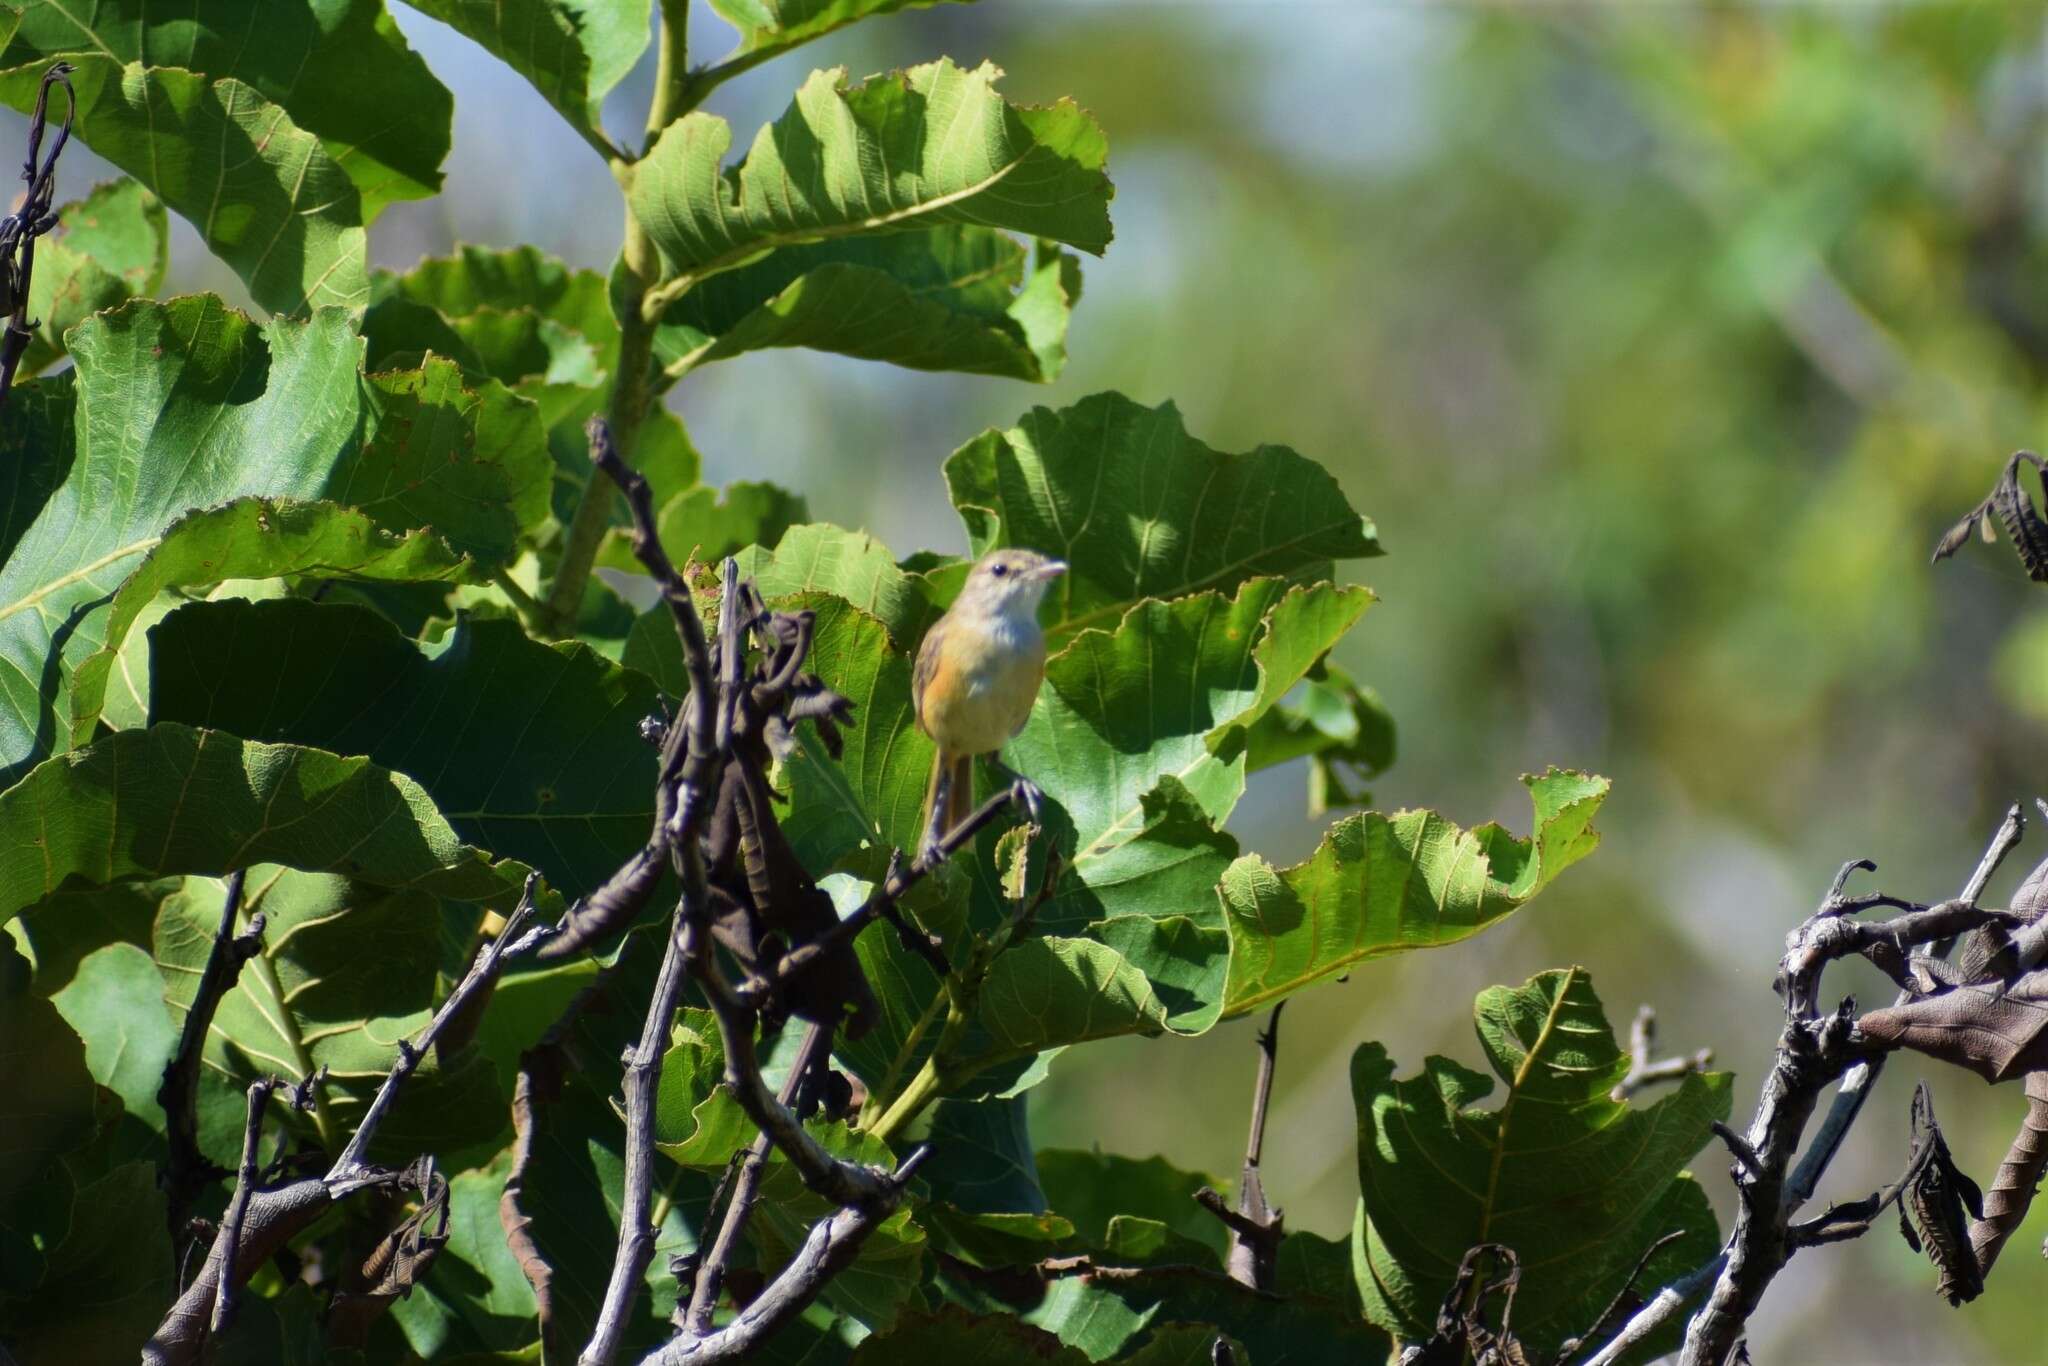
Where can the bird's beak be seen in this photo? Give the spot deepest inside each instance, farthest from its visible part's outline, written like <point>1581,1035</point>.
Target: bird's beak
<point>1052,569</point>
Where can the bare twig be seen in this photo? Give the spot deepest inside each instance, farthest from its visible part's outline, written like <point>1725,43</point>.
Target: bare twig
<point>881,903</point>
<point>187,1169</point>
<point>1569,1348</point>
<point>831,1246</point>
<point>1660,1310</point>
<point>703,1299</point>
<point>643,1079</point>
<point>238,1206</point>
<point>514,941</point>
<point>1858,1082</point>
<point>1256,1228</point>
<point>19,230</point>
<point>1642,1071</point>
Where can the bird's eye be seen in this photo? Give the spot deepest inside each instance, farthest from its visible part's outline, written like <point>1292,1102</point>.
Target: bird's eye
<point>999,570</point>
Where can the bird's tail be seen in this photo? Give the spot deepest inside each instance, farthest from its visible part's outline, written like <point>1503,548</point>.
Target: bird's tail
<point>959,795</point>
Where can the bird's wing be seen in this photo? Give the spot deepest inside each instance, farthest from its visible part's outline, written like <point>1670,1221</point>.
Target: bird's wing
<point>927,665</point>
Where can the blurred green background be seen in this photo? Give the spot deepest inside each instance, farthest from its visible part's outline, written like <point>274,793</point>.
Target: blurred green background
<point>1661,340</point>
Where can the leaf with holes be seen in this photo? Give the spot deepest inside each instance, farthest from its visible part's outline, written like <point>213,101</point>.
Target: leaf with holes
<point>1579,1185</point>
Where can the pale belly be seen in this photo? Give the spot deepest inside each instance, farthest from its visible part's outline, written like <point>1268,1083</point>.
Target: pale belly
<point>996,683</point>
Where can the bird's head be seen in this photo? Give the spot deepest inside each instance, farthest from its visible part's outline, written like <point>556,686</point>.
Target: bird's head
<point>1011,582</point>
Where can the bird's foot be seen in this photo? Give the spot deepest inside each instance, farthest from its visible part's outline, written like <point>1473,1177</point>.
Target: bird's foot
<point>1028,795</point>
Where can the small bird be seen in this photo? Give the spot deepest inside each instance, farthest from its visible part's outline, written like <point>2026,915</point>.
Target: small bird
<point>978,673</point>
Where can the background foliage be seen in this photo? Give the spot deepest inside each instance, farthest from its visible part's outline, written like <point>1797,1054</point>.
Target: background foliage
<point>1658,341</point>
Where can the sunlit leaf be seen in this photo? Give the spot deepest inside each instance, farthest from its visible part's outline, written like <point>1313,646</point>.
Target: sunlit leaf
<point>1575,1182</point>
<point>1386,884</point>
<point>312,998</point>
<point>178,405</point>
<point>109,247</point>
<point>257,538</point>
<point>268,198</point>
<point>340,70</point>
<point>914,149</point>
<point>771,27</point>
<point>958,297</point>
<point>708,524</point>
<point>1138,508</point>
<point>573,51</point>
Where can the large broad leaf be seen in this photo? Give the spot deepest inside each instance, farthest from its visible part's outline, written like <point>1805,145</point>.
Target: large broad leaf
<point>340,69</point>
<point>178,405</point>
<point>1138,508</point>
<point>981,1160</point>
<point>109,247</point>
<point>573,51</point>
<point>1575,1182</point>
<point>959,297</point>
<point>313,998</point>
<point>259,538</point>
<point>265,194</point>
<point>531,750</point>
<point>1127,732</point>
<point>471,464</point>
<point>106,1280</point>
<point>171,799</point>
<point>914,149</point>
<point>1380,885</point>
<point>115,1002</point>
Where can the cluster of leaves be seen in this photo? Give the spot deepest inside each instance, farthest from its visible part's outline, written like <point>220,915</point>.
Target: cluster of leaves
<point>288,597</point>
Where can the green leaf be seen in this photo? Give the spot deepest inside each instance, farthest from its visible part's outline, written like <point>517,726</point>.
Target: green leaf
<point>108,1281</point>
<point>981,1160</point>
<point>1142,1315</point>
<point>171,799</point>
<point>64,929</point>
<point>1125,735</point>
<point>1094,1189</point>
<point>313,998</point>
<point>852,566</point>
<point>1380,885</point>
<point>116,1004</point>
<point>340,70</point>
<point>572,51</point>
<point>1575,1182</point>
<point>471,464</point>
<point>178,405</point>
<point>268,198</point>
<point>259,538</point>
<point>36,448</point>
<point>913,149</point>
<point>1138,508</point>
<point>958,297</point>
<point>530,750</point>
<point>50,1103</point>
<point>109,247</point>
<point>707,524</point>
<point>769,28</point>
<point>1342,727</point>
<point>519,316</point>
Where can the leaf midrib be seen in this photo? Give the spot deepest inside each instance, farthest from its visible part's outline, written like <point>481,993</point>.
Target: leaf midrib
<point>1507,1109</point>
